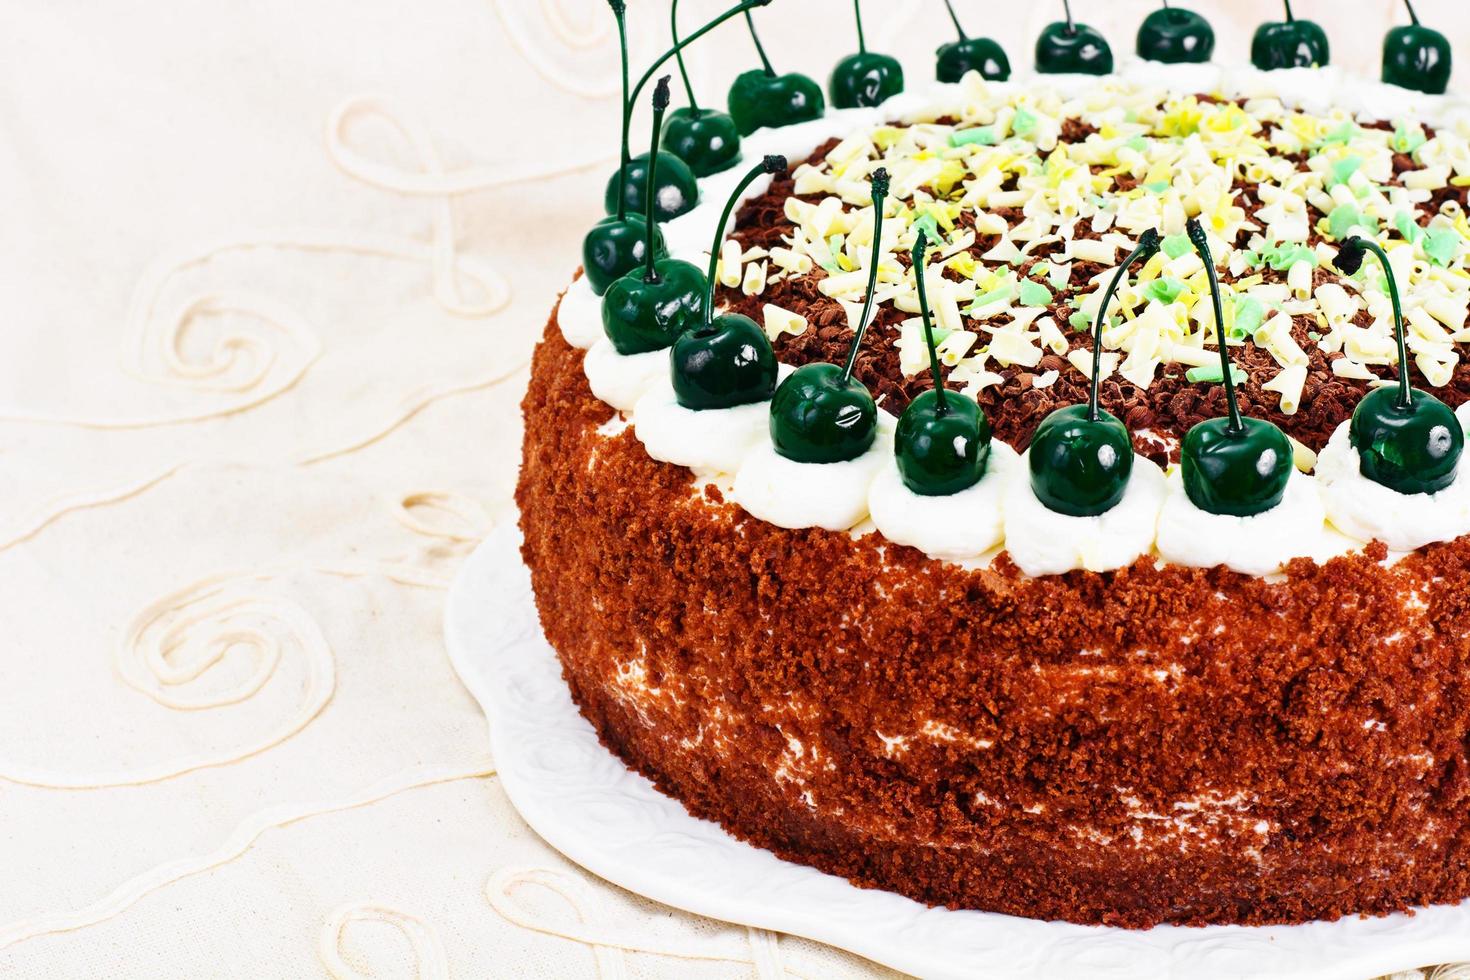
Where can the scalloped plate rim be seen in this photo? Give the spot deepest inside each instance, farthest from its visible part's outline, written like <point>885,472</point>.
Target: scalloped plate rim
<point>490,602</point>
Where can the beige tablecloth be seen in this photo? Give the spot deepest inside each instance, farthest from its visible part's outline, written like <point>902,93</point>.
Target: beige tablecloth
<point>271,276</point>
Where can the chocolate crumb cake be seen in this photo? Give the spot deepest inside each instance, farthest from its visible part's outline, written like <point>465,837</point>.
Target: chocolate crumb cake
<point>1217,672</point>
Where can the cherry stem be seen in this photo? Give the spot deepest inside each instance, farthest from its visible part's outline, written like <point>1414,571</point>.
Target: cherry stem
<point>1067,7</point>
<point>619,14</point>
<point>772,164</point>
<point>1148,246</point>
<point>1405,400</point>
<point>857,10</point>
<point>1413,17</point>
<point>629,99</point>
<point>920,245</point>
<point>759,48</point>
<point>879,183</point>
<point>683,72</point>
<point>1289,17</point>
<point>959,28</point>
<point>660,105</point>
<point>1202,246</point>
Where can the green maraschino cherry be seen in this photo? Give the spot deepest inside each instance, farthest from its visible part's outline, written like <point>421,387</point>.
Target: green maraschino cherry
<point>865,78</point>
<point>1407,440</point>
<point>705,139</point>
<point>1068,47</point>
<point>646,309</point>
<point>727,360</point>
<point>1081,456</point>
<point>678,191</point>
<point>942,442</point>
<point>1174,35</point>
<point>1233,465</point>
<point>760,98</point>
<point>821,413</point>
<point>1289,43</point>
<point>957,58</point>
<point>1416,57</point>
<point>616,244</point>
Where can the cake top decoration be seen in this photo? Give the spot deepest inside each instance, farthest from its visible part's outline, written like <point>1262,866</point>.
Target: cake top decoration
<point>942,442</point>
<point>679,191</point>
<point>727,360</point>
<point>1407,439</point>
<point>761,99</point>
<point>1232,465</point>
<point>706,139</point>
<point>865,78</point>
<point>821,413</point>
<point>615,244</point>
<point>955,58</point>
<point>1175,35</point>
<point>1067,46</point>
<point>1416,57</point>
<point>1290,43</point>
<point>644,310</point>
<point>1082,456</point>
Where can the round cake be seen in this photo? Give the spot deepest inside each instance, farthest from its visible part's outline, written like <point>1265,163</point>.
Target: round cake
<point>1203,700</point>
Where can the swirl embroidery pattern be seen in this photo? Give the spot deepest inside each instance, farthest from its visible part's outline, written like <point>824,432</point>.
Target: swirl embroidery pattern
<point>590,926</point>
<point>444,514</point>
<point>430,960</point>
<point>254,367</point>
<point>246,833</point>
<point>178,638</point>
<point>567,30</point>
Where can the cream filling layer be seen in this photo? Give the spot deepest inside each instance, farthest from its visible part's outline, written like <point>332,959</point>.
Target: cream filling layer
<point>1257,545</point>
<point>1368,511</point>
<point>580,314</point>
<point>789,494</point>
<point>711,441</point>
<point>622,379</point>
<point>1042,541</point>
<point>955,527</point>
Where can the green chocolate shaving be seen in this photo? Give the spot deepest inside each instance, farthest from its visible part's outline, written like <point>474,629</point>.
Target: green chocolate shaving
<point>996,295</point>
<point>1249,314</point>
<point>1440,244</point>
<point>1283,255</point>
<point>1341,134</point>
<point>1404,222</point>
<point>983,135</point>
<point>1165,289</point>
<point>1344,218</point>
<point>929,226</point>
<point>1212,373</point>
<point>1176,245</point>
<point>1034,294</point>
<point>1344,169</point>
<point>1407,140</point>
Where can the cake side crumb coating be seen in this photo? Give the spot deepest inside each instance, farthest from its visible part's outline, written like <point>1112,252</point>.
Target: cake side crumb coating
<point>1151,745</point>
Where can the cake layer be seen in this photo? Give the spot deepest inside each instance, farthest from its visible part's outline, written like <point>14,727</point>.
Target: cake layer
<point>1033,193</point>
<point>1159,744</point>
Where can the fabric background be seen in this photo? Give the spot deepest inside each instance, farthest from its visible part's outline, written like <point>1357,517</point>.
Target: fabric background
<point>272,275</point>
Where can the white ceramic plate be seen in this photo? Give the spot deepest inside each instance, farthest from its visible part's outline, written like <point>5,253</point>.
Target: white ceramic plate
<point>611,821</point>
